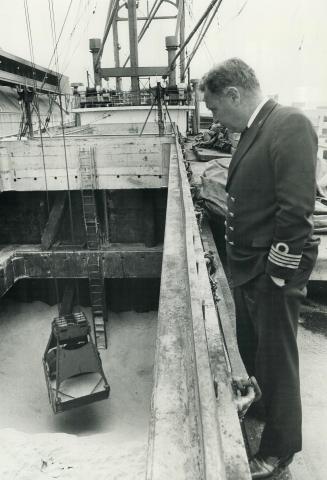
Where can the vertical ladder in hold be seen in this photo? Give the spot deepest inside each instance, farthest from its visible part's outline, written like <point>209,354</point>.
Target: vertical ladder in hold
<point>94,266</point>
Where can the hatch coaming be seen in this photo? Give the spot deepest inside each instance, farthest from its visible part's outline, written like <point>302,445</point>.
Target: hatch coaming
<point>121,162</point>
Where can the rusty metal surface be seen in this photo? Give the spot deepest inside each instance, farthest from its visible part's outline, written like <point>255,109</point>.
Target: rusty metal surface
<point>118,262</point>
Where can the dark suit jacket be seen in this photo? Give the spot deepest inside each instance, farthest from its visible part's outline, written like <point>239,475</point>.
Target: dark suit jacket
<point>271,194</point>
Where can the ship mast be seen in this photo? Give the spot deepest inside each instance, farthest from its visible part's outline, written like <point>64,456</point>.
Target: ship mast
<point>133,47</point>
<point>134,71</point>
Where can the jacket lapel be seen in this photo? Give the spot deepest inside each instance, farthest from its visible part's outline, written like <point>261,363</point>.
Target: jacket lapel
<point>249,137</point>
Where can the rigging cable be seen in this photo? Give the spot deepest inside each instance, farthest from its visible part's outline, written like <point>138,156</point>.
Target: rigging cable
<point>241,9</point>
<point>67,58</point>
<point>54,54</point>
<point>77,17</point>
<point>53,28</point>
<point>190,36</point>
<point>203,32</point>
<point>41,137</point>
<point>234,16</point>
<point>112,11</point>
<point>190,11</point>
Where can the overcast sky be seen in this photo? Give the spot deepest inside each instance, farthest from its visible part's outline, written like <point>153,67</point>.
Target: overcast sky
<point>283,40</point>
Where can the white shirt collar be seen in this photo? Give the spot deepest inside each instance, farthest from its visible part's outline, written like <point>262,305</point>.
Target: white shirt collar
<point>256,111</point>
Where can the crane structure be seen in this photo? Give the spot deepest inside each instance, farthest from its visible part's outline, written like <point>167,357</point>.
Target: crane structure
<point>134,71</point>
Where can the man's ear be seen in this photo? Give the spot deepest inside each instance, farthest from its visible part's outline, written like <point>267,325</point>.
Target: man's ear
<point>233,94</point>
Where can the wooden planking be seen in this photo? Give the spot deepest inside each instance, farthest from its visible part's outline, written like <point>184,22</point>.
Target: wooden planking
<point>117,129</point>
<point>109,182</point>
<point>106,171</point>
<point>55,157</point>
<point>142,161</point>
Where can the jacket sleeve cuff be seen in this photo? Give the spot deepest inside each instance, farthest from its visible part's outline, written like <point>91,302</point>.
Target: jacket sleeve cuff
<point>281,263</point>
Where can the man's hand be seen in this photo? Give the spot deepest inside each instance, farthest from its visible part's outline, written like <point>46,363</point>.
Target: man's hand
<point>280,282</point>
<point>246,391</point>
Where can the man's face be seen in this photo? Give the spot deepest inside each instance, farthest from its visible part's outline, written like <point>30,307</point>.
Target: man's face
<point>225,109</point>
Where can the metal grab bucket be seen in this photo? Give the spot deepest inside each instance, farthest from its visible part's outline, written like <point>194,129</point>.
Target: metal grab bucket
<point>72,365</point>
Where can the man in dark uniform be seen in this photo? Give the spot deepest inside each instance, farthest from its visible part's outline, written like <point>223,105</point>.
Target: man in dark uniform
<point>270,249</point>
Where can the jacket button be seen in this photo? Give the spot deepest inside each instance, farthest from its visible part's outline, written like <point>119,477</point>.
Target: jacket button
<point>232,199</point>
<point>231,214</point>
<point>226,237</point>
<point>231,228</point>
<point>231,243</point>
<point>225,223</point>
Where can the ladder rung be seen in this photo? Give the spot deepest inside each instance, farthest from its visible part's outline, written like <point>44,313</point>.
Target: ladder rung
<point>97,302</point>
